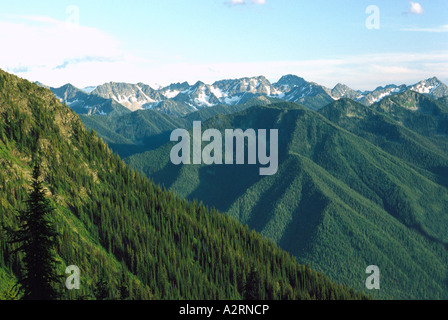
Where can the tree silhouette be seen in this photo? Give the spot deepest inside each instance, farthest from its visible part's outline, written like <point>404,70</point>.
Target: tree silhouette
<point>252,287</point>
<point>36,238</point>
<point>123,287</point>
<point>100,290</point>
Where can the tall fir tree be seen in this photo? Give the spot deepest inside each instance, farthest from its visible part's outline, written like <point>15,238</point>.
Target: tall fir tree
<point>100,289</point>
<point>253,285</point>
<point>123,287</point>
<point>36,238</point>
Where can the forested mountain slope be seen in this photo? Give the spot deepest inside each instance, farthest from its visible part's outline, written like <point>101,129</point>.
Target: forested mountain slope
<point>120,228</point>
<point>360,189</point>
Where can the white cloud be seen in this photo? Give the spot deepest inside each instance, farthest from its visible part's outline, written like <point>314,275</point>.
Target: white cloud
<point>241,2</point>
<point>416,8</point>
<point>236,2</point>
<point>443,28</point>
<point>39,46</point>
<point>49,51</point>
<point>361,72</point>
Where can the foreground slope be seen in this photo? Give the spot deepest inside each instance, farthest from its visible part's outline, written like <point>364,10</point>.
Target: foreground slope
<point>120,228</point>
<point>339,201</point>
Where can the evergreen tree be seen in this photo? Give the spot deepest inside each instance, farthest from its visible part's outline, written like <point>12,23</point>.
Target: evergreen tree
<point>100,290</point>
<point>36,239</point>
<point>123,287</point>
<point>252,287</point>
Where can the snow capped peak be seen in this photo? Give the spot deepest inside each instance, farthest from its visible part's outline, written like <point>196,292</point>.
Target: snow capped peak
<point>380,93</point>
<point>236,91</point>
<point>253,85</point>
<point>203,98</point>
<point>132,96</point>
<point>426,86</point>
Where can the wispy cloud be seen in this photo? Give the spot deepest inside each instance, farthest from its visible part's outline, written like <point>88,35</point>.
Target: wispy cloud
<point>49,51</point>
<point>359,72</point>
<point>243,2</point>
<point>362,72</point>
<point>443,28</point>
<point>73,61</point>
<point>35,42</point>
<point>236,2</point>
<point>52,51</point>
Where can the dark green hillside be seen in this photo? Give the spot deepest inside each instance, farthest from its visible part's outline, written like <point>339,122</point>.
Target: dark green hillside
<point>444,102</point>
<point>146,130</point>
<point>122,230</point>
<point>315,102</point>
<point>135,132</point>
<point>380,129</point>
<point>339,201</point>
<point>419,113</point>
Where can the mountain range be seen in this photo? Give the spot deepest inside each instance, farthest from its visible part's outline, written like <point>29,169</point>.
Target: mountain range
<point>84,103</point>
<point>356,185</point>
<point>362,177</point>
<point>182,98</point>
<point>130,238</point>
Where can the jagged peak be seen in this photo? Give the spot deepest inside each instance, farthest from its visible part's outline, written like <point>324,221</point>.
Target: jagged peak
<point>291,79</point>
<point>340,85</point>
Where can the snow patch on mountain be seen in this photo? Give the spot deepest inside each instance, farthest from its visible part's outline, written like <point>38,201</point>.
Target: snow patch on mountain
<point>170,94</point>
<point>424,87</point>
<point>88,89</point>
<point>218,92</point>
<point>235,91</point>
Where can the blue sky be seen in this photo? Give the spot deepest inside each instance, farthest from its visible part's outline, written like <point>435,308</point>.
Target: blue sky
<point>159,42</point>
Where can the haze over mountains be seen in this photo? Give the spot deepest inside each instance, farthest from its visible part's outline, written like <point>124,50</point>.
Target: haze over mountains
<point>182,98</point>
